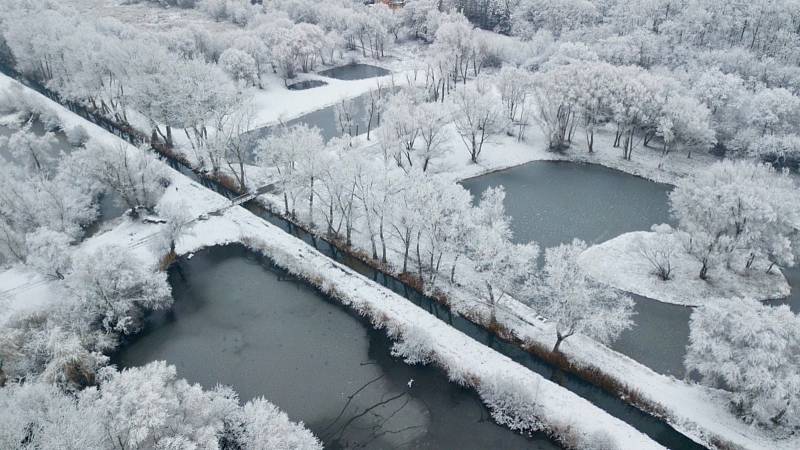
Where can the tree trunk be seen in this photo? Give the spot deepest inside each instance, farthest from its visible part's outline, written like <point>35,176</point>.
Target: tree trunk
<point>559,340</point>
<point>704,270</point>
<point>383,242</point>
<point>311,204</point>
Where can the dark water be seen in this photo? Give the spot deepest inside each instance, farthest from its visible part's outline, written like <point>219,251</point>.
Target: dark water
<point>239,321</point>
<point>793,277</point>
<point>307,84</point>
<point>355,72</point>
<point>554,202</point>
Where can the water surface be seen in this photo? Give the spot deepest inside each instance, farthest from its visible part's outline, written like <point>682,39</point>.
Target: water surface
<point>355,72</point>
<point>307,84</point>
<point>239,321</point>
<point>554,202</point>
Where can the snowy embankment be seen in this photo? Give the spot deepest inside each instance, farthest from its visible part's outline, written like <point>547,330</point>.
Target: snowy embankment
<point>518,397</point>
<point>619,262</point>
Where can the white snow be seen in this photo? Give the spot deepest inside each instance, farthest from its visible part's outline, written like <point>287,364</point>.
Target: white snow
<point>619,263</point>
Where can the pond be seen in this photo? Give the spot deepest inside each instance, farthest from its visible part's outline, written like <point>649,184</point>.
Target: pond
<point>239,321</point>
<point>554,202</point>
<point>355,71</point>
<point>307,84</point>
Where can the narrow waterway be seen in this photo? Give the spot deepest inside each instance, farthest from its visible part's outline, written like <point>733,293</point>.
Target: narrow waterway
<point>326,118</point>
<point>239,321</point>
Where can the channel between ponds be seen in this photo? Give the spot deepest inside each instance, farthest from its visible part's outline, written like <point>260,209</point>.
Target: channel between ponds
<point>656,428</point>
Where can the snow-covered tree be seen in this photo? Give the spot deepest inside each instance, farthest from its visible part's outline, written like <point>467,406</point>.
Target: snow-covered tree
<point>478,115</point>
<point>137,177</point>
<point>296,154</point>
<point>432,117</point>
<point>115,288</point>
<point>143,407</point>
<point>35,200</point>
<point>574,302</point>
<point>658,249</point>
<point>178,217</point>
<point>498,267</point>
<point>402,119</point>
<point>752,350</point>
<point>264,425</point>
<point>49,252</point>
<point>240,66</point>
<point>514,85</point>
<point>738,209</point>
<point>34,153</point>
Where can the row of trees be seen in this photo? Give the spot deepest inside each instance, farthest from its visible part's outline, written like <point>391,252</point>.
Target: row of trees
<point>428,228</point>
<point>593,94</point>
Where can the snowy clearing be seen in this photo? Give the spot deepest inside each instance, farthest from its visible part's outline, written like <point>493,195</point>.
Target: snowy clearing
<point>619,262</point>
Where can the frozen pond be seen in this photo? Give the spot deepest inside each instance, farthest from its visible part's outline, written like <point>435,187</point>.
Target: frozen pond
<point>239,321</point>
<point>355,72</point>
<point>307,84</point>
<point>554,202</point>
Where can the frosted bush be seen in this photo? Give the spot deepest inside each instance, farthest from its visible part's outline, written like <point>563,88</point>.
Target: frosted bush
<point>600,440</point>
<point>512,401</point>
<point>49,119</point>
<point>414,346</point>
<point>77,136</point>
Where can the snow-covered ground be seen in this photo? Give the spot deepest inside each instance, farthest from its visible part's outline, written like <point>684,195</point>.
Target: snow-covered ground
<point>620,263</point>
<point>514,393</point>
